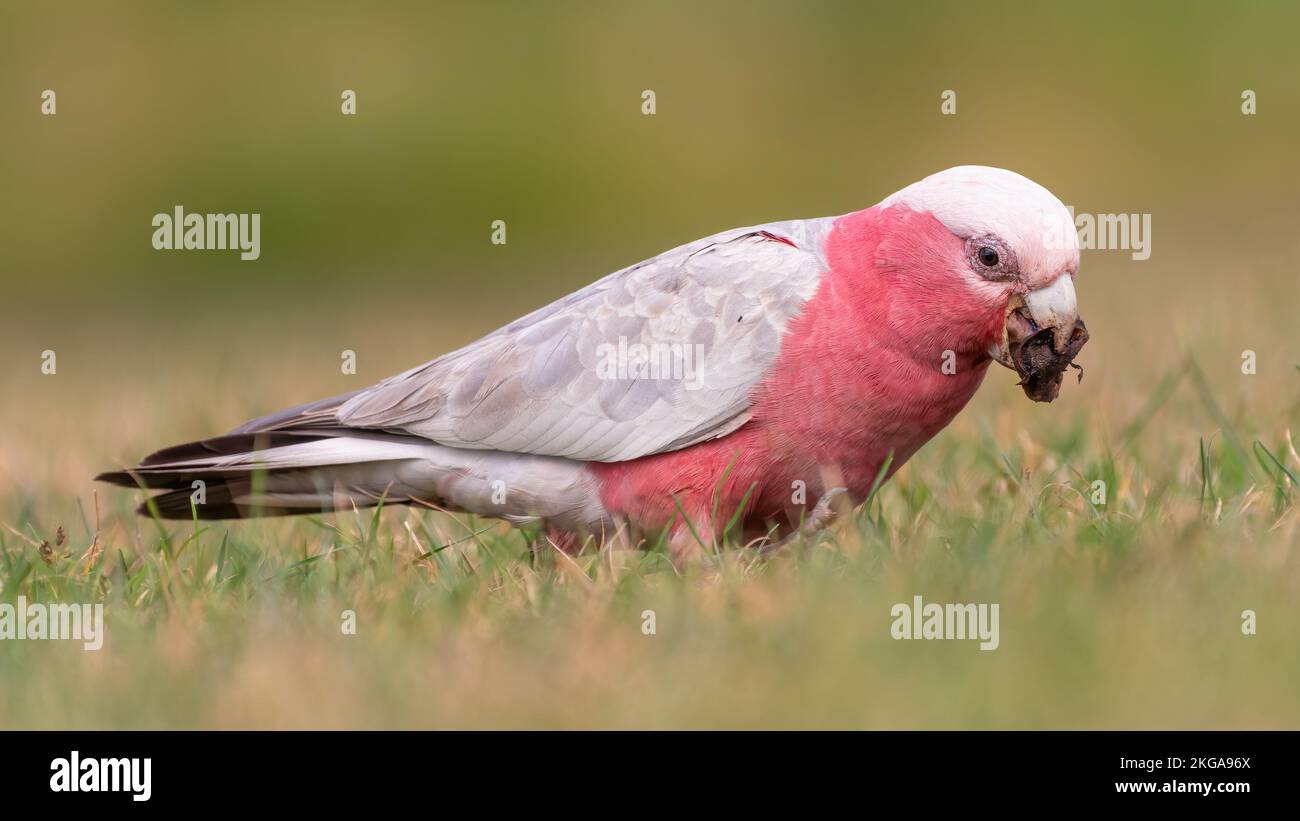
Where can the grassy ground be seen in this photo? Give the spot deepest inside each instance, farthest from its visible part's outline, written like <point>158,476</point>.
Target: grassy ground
<point>1121,614</point>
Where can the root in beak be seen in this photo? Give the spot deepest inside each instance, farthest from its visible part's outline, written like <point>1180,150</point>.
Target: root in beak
<point>1041,366</point>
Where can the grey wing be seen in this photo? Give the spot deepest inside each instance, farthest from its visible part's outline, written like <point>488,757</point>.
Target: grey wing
<point>649,359</point>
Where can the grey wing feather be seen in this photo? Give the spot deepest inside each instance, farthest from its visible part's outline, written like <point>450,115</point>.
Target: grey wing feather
<point>652,358</point>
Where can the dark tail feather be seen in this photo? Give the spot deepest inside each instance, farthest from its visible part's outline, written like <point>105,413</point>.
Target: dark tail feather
<point>219,503</point>
<point>273,473</point>
<point>157,471</point>
<point>234,444</point>
<point>176,504</point>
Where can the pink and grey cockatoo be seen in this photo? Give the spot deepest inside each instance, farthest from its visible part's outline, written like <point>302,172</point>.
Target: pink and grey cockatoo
<point>750,377</point>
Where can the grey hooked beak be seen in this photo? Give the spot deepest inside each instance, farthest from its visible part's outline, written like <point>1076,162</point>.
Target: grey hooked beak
<point>1042,336</point>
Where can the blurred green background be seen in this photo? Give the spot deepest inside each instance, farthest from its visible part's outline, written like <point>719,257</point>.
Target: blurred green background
<point>530,112</point>
<point>376,238</point>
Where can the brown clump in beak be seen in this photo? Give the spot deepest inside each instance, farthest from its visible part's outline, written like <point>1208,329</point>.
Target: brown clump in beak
<point>1042,366</point>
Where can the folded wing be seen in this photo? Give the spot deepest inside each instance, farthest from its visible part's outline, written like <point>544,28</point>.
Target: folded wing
<point>651,358</point>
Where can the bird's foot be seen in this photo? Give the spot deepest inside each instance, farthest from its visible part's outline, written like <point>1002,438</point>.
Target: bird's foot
<point>822,516</point>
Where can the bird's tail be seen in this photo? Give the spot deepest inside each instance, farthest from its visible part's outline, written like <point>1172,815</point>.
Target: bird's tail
<point>274,473</point>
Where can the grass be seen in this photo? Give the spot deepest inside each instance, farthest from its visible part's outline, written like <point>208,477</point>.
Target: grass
<point>1116,613</point>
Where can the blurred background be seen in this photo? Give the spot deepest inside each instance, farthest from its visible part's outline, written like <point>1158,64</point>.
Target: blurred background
<point>375,232</point>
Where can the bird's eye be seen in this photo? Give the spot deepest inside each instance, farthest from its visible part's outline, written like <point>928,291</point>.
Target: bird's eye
<point>990,258</point>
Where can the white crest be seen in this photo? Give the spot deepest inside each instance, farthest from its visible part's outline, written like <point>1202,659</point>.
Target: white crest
<point>973,200</point>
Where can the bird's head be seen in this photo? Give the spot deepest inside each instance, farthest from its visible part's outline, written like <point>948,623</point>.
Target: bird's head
<point>996,253</point>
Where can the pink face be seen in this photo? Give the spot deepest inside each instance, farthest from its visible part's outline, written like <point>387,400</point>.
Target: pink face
<point>990,257</point>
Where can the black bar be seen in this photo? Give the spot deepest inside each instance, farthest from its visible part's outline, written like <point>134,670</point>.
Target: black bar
<point>332,770</point>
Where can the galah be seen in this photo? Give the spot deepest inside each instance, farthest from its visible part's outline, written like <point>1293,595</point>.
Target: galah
<point>743,380</point>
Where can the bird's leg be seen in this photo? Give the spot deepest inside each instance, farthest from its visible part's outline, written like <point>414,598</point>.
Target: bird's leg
<point>534,542</point>
<point>822,516</point>
<point>562,539</point>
